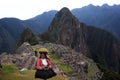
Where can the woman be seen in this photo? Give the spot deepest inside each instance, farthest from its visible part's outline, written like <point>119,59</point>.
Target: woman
<point>44,67</point>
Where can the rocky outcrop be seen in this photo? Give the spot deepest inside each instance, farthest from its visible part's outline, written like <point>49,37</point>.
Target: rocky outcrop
<point>24,57</point>
<point>104,48</point>
<point>24,48</point>
<point>81,65</point>
<point>21,61</point>
<point>95,43</point>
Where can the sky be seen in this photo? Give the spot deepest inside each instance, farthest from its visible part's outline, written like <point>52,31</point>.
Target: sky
<point>25,9</point>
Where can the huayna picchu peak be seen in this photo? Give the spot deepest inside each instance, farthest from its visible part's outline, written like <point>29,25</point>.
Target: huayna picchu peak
<point>66,29</point>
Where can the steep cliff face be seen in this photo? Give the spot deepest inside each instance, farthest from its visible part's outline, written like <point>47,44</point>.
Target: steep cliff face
<point>95,43</point>
<point>103,47</point>
<point>66,29</point>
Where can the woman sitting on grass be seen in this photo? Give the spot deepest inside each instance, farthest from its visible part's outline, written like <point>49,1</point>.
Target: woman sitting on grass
<point>44,67</point>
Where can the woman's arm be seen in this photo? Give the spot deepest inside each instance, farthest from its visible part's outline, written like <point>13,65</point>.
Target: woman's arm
<point>38,64</point>
<point>49,63</point>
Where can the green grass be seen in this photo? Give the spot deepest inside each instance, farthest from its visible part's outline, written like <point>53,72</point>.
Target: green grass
<point>9,68</point>
<point>108,74</point>
<point>92,67</point>
<point>10,72</point>
<point>64,67</point>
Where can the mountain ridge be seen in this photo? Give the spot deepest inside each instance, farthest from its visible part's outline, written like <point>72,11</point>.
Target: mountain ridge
<point>105,17</point>
<point>39,24</point>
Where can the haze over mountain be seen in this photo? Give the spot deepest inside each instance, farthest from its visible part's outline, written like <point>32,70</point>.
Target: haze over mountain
<point>106,17</point>
<point>10,30</point>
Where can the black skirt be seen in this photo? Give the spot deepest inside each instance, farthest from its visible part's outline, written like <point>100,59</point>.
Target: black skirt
<point>44,74</point>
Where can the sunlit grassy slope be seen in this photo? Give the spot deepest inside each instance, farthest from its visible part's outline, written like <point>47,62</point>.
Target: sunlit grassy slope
<point>10,72</point>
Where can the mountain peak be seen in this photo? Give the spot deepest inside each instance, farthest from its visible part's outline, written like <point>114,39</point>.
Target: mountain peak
<point>105,5</point>
<point>64,11</point>
<point>91,5</point>
<point>63,18</point>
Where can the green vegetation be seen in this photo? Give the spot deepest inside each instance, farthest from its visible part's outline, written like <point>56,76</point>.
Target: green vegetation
<point>9,68</point>
<point>64,67</point>
<point>91,68</point>
<point>10,72</point>
<point>45,36</point>
<point>108,74</point>
<point>33,41</point>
